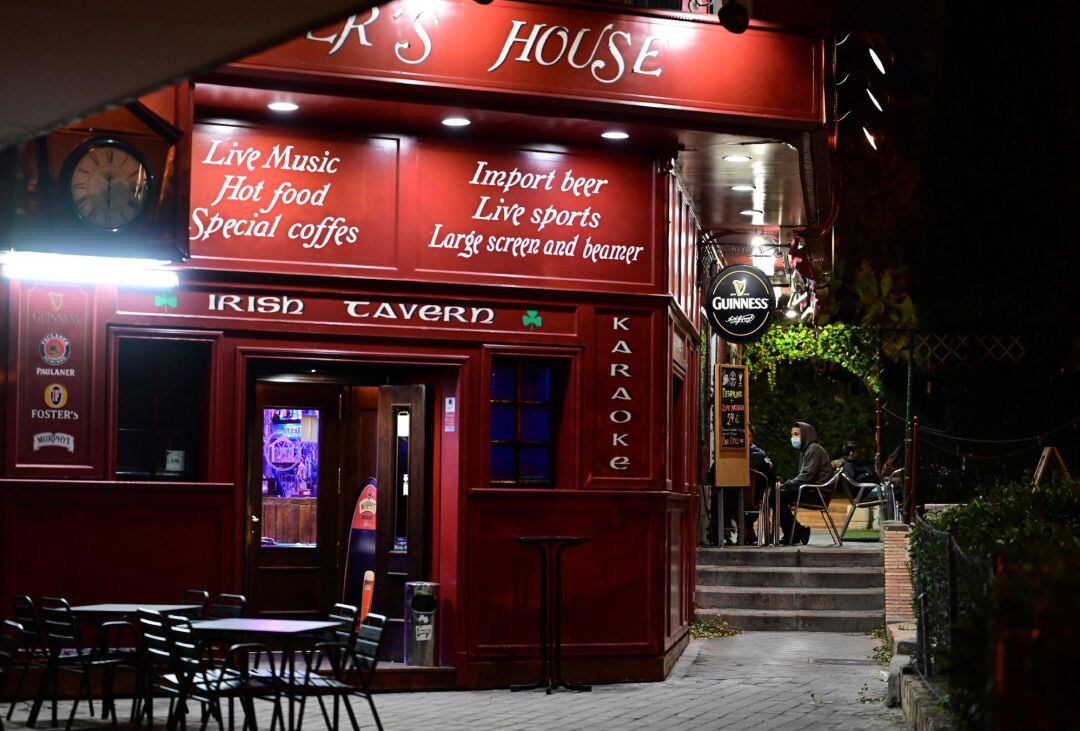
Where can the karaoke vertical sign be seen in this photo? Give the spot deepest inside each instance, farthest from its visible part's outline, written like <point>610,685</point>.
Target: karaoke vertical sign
<point>54,376</point>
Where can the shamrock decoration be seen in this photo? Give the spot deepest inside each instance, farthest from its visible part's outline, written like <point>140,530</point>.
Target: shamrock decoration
<point>165,300</point>
<point>532,319</point>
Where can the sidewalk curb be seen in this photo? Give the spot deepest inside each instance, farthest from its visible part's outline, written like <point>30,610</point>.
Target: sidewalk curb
<point>920,706</point>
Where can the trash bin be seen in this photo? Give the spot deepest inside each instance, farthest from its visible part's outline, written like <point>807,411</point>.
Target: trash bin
<point>421,599</point>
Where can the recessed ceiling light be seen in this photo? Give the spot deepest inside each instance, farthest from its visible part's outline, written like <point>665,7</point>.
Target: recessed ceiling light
<point>614,134</point>
<point>752,212</point>
<point>736,158</point>
<point>456,122</point>
<point>283,106</point>
<point>743,188</point>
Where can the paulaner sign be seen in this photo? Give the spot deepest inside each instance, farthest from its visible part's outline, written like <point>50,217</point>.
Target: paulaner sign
<point>740,303</point>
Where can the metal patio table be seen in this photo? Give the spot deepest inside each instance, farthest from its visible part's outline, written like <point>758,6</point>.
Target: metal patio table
<point>285,630</point>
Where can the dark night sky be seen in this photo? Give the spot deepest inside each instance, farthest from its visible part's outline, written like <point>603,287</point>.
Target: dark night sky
<point>976,188</point>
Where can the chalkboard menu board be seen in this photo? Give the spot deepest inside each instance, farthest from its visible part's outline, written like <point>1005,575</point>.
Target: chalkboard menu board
<point>732,393</point>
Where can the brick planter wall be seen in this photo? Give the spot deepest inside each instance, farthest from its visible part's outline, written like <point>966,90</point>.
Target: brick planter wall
<point>897,572</point>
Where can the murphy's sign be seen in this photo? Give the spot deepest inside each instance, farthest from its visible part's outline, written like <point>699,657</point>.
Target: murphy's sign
<point>548,51</point>
<point>740,303</point>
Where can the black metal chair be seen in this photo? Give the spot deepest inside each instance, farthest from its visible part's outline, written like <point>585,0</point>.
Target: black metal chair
<point>340,671</point>
<point>228,606</point>
<point>67,654</point>
<point>197,596</point>
<point>812,497</point>
<point>34,652</point>
<point>11,634</point>
<point>185,673</point>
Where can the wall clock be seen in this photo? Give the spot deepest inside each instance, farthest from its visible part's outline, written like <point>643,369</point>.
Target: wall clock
<point>107,184</point>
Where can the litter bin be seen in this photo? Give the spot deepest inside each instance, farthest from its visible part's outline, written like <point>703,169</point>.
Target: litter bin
<point>421,599</point>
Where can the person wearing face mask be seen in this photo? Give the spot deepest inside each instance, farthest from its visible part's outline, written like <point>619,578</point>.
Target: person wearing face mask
<point>815,468</point>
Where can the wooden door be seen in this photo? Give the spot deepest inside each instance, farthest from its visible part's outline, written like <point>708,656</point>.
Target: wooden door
<point>401,533</point>
<point>294,469</point>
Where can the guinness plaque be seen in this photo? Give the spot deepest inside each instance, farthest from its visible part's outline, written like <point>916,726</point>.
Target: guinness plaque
<point>740,303</point>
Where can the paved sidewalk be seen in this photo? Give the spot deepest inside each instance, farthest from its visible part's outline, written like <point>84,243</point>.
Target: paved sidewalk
<point>756,680</point>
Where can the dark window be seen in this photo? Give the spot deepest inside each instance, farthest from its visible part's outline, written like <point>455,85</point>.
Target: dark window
<point>525,395</point>
<point>161,409</point>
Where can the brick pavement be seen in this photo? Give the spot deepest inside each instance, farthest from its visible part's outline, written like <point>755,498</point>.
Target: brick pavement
<point>756,680</point>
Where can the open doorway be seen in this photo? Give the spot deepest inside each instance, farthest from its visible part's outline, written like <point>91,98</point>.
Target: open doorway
<point>339,489</point>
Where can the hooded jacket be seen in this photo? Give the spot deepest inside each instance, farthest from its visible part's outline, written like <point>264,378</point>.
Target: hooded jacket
<point>815,467</point>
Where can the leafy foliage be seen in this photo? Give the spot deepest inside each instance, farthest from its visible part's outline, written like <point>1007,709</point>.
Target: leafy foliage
<point>822,394</point>
<point>878,301</point>
<point>854,349</point>
<point>1033,539</point>
<point>710,628</point>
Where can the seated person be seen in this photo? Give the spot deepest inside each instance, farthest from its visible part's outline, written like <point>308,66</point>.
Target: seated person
<point>854,468</point>
<point>759,462</point>
<point>814,469</point>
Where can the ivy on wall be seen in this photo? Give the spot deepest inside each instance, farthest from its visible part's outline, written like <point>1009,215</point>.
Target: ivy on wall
<point>855,349</point>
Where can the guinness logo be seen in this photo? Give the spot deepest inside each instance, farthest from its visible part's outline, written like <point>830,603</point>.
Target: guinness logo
<point>740,303</point>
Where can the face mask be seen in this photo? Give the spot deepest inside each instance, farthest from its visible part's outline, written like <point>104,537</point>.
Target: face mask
<point>796,442</point>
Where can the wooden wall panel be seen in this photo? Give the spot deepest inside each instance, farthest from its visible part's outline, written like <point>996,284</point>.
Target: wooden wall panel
<point>610,598</point>
<point>99,541</point>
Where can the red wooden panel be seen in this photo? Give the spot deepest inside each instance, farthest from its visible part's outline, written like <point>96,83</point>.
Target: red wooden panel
<point>624,425</point>
<point>269,200</point>
<point>98,541</point>
<point>610,599</point>
<point>594,54</point>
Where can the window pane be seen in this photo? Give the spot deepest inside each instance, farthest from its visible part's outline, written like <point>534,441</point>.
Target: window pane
<point>503,426</point>
<point>502,462</point>
<point>536,464</point>
<point>290,485</point>
<point>535,424</point>
<point>503,381</point>
<point>535,382</point>
<point>161,399</point>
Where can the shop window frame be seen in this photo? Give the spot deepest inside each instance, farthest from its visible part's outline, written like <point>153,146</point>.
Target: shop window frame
<point>207,433</point>
<point>565,413</point>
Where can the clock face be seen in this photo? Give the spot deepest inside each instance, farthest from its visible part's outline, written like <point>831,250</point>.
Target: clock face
<point>109,184</point>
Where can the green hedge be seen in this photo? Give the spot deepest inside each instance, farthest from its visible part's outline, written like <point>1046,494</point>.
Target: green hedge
<point>1032,539</point>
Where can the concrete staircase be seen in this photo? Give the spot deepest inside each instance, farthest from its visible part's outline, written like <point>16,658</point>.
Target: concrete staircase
<point>816,589</point>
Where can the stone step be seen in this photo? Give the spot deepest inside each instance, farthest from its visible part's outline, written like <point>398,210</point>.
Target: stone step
<point>779,620</point>
<point>787,576</point>
<point>855,556</point>
<point>754,597</point>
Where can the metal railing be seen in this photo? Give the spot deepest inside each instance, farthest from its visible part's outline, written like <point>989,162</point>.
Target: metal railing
<point>952,604</point>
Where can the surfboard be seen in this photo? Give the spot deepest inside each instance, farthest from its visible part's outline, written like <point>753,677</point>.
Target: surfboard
<point>360,560</point>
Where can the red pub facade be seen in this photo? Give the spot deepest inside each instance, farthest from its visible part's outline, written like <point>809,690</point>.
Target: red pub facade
<point>499,324</point>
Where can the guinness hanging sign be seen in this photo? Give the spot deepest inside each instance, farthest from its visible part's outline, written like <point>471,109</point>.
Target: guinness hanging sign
<point>740,303</point>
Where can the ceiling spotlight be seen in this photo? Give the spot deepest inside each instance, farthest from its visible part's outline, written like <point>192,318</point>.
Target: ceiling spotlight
<point>752,212</point>
<point>874,101</point>
<point>614,134</point>
<point>877,60</point>
<point>736,158</point>
<point>456,122</point>
<point>283,106</point>
<point>869,138</point>
<point>734,17</point>
<point>790,314</point>
<point>743,188</point>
